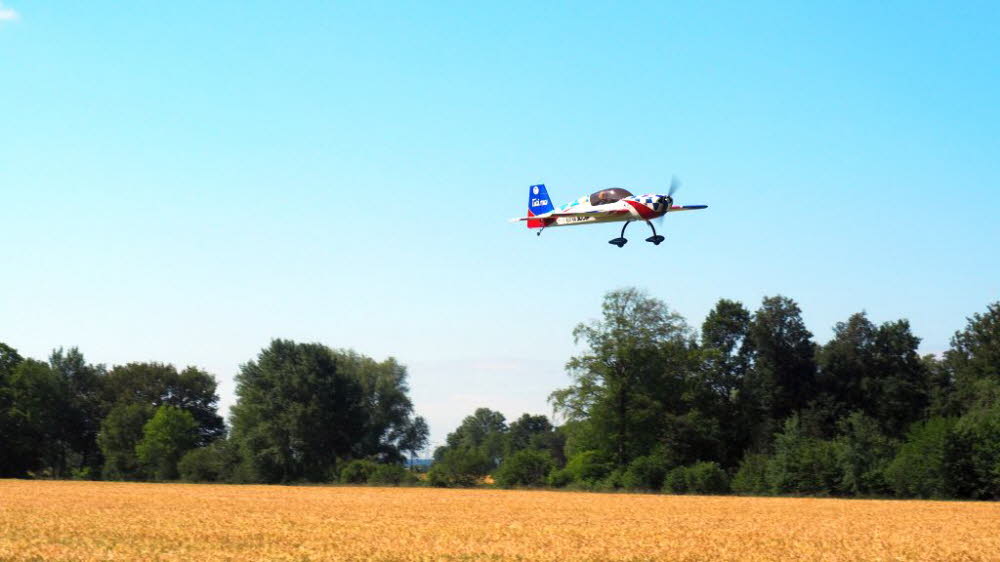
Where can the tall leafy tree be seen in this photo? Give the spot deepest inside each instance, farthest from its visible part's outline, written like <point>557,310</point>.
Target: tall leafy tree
<point>722,394</point>
<point>973,362</point>
<point>902,384</point>
<point>297,412</point>
<point>81,418</point>
<point>415,437</point>
<point>169,434</point>
<point>391,427</point>
<point>865,454</point>
<point>36,401</point>
<point>483,433</point>
<point>626,351</point>
<point>9,464</point>
<point>875,370</point>
<point>784,370</point>
<point>121,431</point>
<point>157,384</point>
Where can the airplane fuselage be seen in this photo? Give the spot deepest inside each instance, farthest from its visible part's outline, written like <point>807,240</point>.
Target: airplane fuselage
<point>637,207</point>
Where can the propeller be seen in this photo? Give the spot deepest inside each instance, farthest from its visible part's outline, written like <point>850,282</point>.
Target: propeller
<point>668,200</point>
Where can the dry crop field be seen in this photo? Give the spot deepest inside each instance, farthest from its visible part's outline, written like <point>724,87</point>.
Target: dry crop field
<point>102,520</point>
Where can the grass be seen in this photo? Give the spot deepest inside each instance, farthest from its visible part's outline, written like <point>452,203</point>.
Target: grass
<point>105,520</point>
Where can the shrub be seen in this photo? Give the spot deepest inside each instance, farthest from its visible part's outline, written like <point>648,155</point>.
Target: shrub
<point>391,474</point>
<point>864,453</point>
<point>919,467</point>
<point>751,478</point>
<point>611,482</point>
<point>699,478</point>
<point>676,481</point>
<point>458,467</point>
<point>802,464</point>
<point>524,468</point>
<point>358,471</point>
<point>708,478</point>
<point>645,473</point>
<point>83,473</point>
<point>560,478</point>
<point>217,462</point>
<point>972,456</point>
<point>589,467</point>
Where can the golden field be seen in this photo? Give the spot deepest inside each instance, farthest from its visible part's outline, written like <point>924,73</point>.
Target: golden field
<point>124,521</point>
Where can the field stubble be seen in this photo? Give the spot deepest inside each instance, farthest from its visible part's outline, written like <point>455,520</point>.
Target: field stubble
<point>101,520</point>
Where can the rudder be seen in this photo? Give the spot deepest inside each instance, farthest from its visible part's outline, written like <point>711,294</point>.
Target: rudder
<point>538,204</point>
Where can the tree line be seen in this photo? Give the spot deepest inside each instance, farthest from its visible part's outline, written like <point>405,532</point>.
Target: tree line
<point>303,413</point>
<point>751,404</point>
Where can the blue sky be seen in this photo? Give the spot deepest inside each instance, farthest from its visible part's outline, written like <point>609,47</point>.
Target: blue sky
<point>182,182</point>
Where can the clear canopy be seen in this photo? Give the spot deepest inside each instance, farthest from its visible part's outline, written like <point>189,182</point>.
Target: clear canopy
<point>605,196</point>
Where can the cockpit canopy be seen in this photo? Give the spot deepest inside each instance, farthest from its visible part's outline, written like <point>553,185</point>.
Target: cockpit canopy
<point>605,196</point>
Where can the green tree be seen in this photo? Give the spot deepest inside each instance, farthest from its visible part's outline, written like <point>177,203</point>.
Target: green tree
<point>157,384</point>
<point>802,464</point>
<point>722,391</point>
<point>865,453</point>
<point>9,463</point>
<point>527,467</point>
<point>358,471</point>
<point>972,455</point>
<point>484,432</point>
<point>920,466</point>
<point>35,400</point>
<point>974,357</point>
<point>297,412</point>
<point>216,462</point>
<point>460,466</point>
<point>391,428</point>
<point>392,475</point>
<point>875,370</point>
<point>536,433</point>
<point>639,347</point>
<point>121,430</point>
<point>585,469</point>
<point>415,437</point>
<point>169,434</point>
<point>784,370</point>
<point>751,478</point>
<point>81,415</point>
<point>699,478</point>
<point>645,473</point>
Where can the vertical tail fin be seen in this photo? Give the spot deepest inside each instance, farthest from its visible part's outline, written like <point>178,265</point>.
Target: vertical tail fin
<point>538,204</point>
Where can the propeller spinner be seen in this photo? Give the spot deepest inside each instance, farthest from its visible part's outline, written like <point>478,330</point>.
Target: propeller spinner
<point>668,200</point>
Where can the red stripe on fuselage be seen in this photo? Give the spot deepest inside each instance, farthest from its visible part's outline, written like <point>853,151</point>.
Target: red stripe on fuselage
<point>644,212</point>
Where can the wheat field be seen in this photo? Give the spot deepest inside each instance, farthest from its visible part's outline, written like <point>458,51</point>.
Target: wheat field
<point>127,521</point>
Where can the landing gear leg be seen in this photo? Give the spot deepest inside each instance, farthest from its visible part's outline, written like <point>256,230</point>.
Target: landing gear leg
<point>620,241</point>
<point>655,238</point>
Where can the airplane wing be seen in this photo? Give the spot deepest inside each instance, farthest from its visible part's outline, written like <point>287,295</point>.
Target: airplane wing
<point>675,208</point>
<point>556,215</point>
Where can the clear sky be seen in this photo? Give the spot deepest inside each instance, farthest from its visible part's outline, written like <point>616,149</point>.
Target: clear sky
<point>183,181</point>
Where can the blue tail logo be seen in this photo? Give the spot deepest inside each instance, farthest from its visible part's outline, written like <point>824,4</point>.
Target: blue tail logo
<point>538,200</point>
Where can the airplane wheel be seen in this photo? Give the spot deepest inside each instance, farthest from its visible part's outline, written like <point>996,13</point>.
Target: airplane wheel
<point>618,242</point>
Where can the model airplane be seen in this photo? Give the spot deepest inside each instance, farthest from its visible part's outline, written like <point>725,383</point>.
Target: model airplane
<point>607,205</point>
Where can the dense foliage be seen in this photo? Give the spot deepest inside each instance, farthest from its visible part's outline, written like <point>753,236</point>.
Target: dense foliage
<point>753,405</point>
<point>303,410</point>
<point>749,403</point>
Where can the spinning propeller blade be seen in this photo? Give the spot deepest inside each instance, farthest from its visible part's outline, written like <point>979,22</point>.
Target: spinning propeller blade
<point>675,184</point>
<point>667,201</point>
